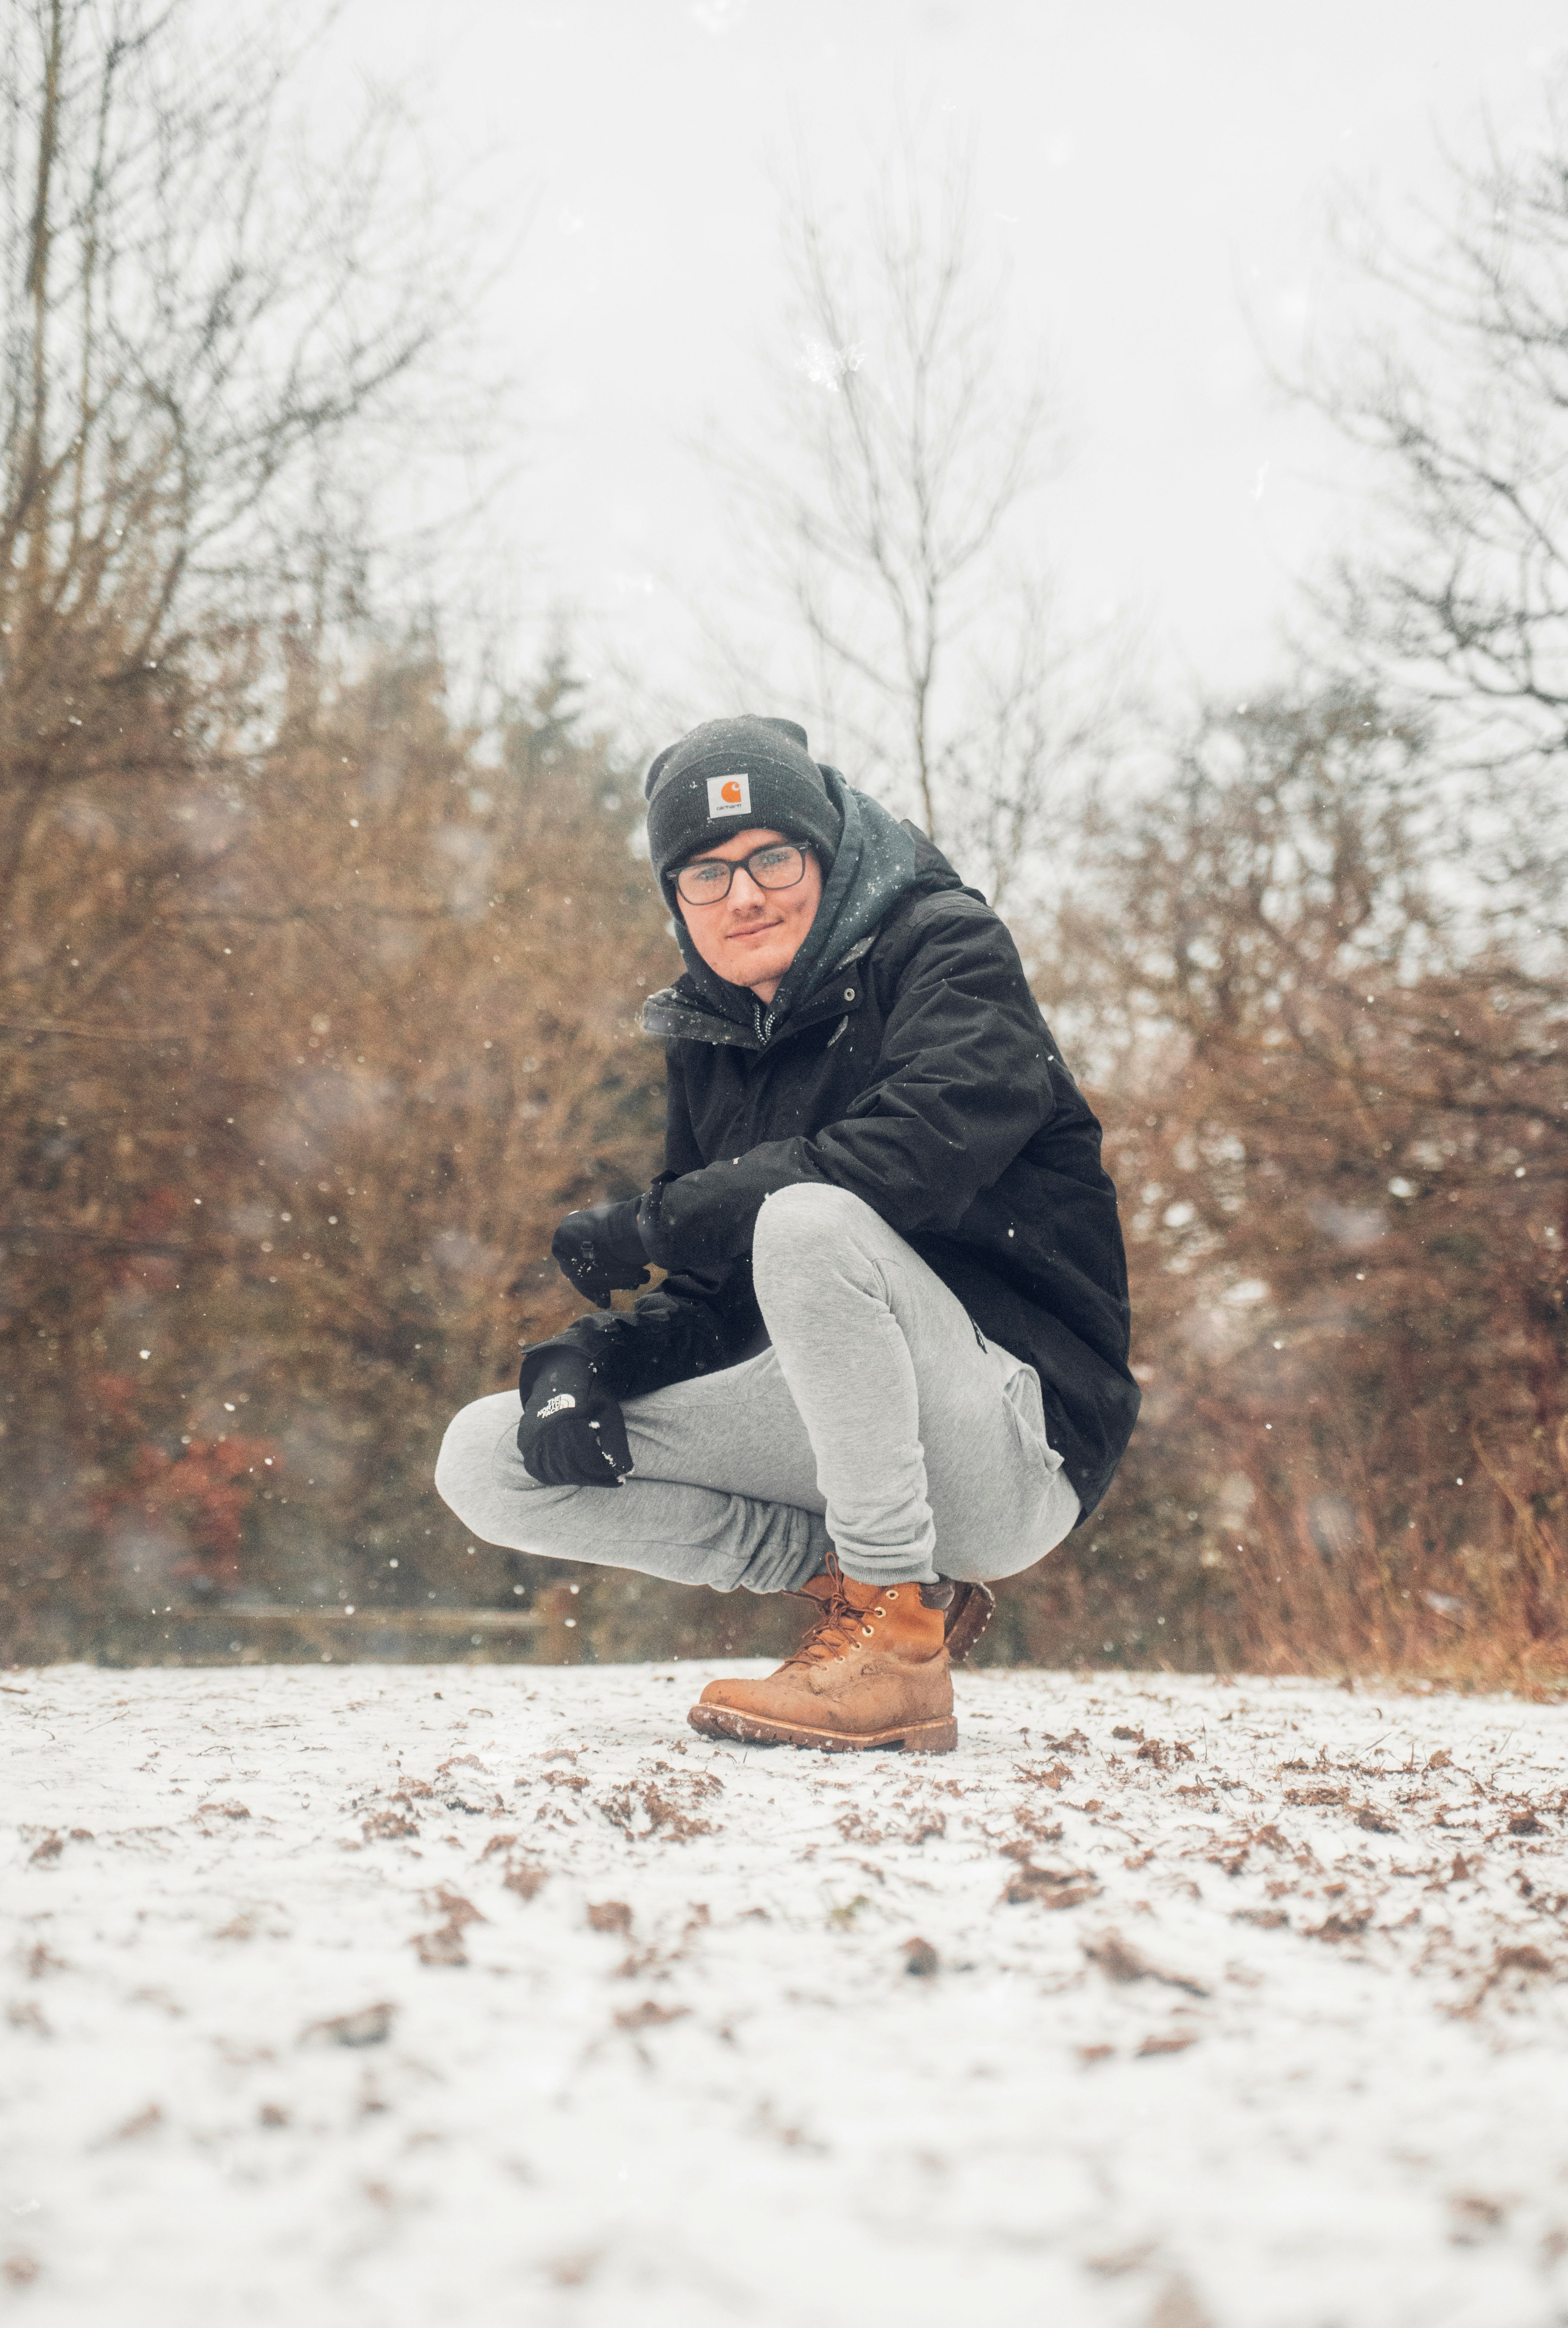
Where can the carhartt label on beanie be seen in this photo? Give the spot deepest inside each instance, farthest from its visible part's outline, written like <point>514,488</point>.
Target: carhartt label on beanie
<point>729,773</point>
<point>730,795</point>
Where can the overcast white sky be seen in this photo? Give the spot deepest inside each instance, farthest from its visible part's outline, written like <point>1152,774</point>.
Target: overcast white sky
<point>1141,163</point>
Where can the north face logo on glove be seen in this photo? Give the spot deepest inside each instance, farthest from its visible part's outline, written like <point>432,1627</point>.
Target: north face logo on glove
<point>730,795</point>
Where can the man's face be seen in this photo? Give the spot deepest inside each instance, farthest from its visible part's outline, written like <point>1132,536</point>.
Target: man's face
<point>751,936</point>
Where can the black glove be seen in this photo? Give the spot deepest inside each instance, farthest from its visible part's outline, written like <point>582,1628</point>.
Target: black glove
<point>600,1249</point>
<point>572,1433</point>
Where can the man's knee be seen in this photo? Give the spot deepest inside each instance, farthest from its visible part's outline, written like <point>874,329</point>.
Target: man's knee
<point>465,1466</point>
<point>809,1220</point>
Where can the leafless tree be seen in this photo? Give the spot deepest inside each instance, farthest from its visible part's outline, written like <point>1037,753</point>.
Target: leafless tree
<point>202,334</point>
<point>894,510</point>
<point>201,331</point>
<point>1458,391</point>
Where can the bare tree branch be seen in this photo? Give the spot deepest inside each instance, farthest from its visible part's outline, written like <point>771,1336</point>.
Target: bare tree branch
<point>1458,395</point>
<point>890,515</point>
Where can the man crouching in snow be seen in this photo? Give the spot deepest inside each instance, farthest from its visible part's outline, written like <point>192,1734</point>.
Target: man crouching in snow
<point>889,1359</point>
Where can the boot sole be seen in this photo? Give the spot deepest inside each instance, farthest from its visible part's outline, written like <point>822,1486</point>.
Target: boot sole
<point>939,1737</point>
<point>973,1606</point>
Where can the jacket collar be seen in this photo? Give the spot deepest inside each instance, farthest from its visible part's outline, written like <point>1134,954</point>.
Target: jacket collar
<point>679,1013</point>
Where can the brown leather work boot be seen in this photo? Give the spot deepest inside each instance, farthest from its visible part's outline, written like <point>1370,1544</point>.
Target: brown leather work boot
<point>872,1670</point>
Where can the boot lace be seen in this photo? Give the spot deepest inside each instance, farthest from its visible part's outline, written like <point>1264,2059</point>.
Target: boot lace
<point>840,1628</point>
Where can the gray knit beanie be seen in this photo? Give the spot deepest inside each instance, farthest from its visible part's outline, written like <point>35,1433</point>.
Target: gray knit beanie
<point>727,777</point>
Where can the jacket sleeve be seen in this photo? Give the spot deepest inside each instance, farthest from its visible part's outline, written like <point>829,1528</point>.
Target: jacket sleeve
<point>694,1323</point>
<point>964,1082</point>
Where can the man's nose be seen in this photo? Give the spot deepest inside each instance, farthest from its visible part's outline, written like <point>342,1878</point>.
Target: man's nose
<point>737,894</point>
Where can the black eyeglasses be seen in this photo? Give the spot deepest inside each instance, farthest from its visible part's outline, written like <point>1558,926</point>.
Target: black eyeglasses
<point>778,866</point>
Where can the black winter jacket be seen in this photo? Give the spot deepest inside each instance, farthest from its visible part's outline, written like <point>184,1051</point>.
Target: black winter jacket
<point>921,1076</point>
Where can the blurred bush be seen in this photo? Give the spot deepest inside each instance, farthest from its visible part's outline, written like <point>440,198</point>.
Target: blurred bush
<point>278,1184</point>
<point>280,1196</point>
<point>1337,1113</point>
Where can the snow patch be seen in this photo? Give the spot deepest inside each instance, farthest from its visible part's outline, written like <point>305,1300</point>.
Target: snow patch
<point>488,1994</point>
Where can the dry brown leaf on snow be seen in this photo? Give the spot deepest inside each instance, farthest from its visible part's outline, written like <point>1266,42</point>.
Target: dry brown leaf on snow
<point>1123,1964</point>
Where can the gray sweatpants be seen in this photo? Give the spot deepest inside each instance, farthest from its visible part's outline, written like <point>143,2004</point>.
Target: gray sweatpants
<point>877,1425</point>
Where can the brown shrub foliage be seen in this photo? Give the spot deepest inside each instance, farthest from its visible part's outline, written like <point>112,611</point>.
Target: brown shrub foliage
<point>308,1044</point>
<point>306,1055</point>
<point>1339,1124</point>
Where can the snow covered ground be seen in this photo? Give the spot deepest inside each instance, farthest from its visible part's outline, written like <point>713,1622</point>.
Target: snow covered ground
<point>492,1995</point>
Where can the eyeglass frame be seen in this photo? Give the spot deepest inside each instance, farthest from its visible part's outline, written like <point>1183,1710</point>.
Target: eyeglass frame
<point>734,865</point>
